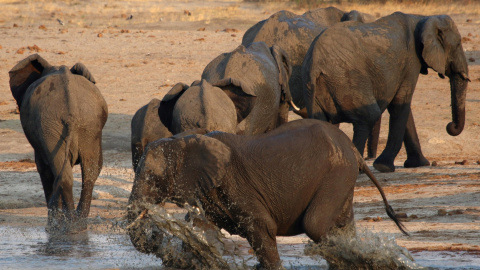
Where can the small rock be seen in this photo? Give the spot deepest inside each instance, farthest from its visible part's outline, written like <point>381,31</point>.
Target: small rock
<point>455,212</point>
<point>122,99</point>
<point>413,216</point>
<point>376,219</point>
<point>230,30</point>
<point>442,212</point>
<point>100,35</point>
<point>469,20</point>
<point>402,215</point>
<point>463,162</point>
<point>21,50</point>
<point>478,162</point>
<point>434,164</point>
<point>465,39</point>
<point>471,59</point>
<point>15,25</point>
<point>42,27</point>
<point>187,12</point>
<point>201,29</point>
<point>199,39</point>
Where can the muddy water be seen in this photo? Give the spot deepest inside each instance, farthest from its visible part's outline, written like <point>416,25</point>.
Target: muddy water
<point>30,248</point>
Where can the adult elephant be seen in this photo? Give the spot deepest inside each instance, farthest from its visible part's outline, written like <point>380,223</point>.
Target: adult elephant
<point>353,73</point>
<point>294,34</point>
<point>298,178</point>
<point>62,114</point>
<point>244,91</point>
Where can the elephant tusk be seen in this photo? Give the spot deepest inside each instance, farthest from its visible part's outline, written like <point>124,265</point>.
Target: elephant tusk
<point>293,105</point>
<point>140,216</point>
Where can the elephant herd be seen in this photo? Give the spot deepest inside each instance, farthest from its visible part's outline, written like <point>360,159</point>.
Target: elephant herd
<point>225,142</point>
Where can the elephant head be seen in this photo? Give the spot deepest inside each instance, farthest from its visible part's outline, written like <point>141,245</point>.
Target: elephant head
<point>178,169</point>
<point>219,106</point>
<point>441,49</point>
<point>31,69</point>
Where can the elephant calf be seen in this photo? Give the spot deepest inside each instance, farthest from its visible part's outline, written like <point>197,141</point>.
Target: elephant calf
<point>62,114</point>
<point>298,178</point>
<point>146,127</point>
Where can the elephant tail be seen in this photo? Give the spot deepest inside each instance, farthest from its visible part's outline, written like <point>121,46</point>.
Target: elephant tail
<point>68,140</point>
<point>390,212</point>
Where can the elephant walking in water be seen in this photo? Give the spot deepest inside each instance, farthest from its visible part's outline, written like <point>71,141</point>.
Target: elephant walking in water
<point>298,178</point>
<point>62,114</point>
<point>353,73</point>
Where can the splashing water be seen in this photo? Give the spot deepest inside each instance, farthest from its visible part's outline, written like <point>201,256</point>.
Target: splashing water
<point>186,246</point>
<point>365,250</point>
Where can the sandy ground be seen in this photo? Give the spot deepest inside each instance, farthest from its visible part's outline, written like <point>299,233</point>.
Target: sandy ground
<point>167,42</point>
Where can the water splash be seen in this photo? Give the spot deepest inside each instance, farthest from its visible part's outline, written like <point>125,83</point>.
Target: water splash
<point>183,245</point>
<point>365,250</point>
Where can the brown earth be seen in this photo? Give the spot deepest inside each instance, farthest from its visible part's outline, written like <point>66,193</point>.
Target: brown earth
<point>166,42</point>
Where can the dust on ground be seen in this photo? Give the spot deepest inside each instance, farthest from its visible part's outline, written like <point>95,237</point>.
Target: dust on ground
<point>137,50</point>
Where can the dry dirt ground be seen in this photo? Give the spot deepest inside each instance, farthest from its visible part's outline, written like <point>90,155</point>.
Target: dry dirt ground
<point>166,42</point>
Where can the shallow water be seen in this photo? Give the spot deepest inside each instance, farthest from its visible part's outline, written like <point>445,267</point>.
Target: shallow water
<point>30,248</point>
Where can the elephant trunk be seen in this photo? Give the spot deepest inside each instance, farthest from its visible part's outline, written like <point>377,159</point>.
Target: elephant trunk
<point>458,86</point>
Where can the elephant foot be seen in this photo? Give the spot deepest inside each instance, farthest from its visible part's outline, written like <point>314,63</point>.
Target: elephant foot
<point>416,162</point>
<point>383,166</point>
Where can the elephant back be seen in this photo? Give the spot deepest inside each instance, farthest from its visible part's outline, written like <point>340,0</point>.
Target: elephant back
<point>204,106</point>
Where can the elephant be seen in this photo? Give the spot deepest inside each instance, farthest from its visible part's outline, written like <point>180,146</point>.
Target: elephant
<point>244,91</point>
<point>294,34</point>
<point>146,127</point>
<point>297,178</point>
<point>352,73</point>
<point>62,113</point>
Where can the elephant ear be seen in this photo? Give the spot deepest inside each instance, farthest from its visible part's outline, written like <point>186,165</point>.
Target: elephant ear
<point>431,36</point>
<point>205,165</point>
<point>165,110</point>
<point>285,71</point>
<point>241,94</point>
<point>81,69</point>
<point>25,73</point>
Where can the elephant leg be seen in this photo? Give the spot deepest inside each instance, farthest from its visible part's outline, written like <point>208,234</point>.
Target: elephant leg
<point>45,175</point>
<point>373,140</point>
<point>399,114</point>
<point>62,191</point>
<point>415,156</point>
<point>319,221</point>
<point>262,238</point>
<point>91,163</point>
<point>361,131</point>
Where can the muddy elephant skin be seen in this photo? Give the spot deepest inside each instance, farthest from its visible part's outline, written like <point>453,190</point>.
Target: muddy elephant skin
<point>297,178</point>
<point>353,73</point>
<point>294,34</point>
<point>62,114</point>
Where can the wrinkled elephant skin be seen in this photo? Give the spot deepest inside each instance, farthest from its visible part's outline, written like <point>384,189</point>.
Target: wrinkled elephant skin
<point>62,114</point>
<point>297,178</point>
<point>353,73</point>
